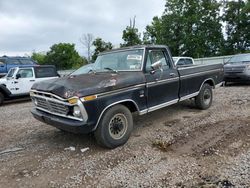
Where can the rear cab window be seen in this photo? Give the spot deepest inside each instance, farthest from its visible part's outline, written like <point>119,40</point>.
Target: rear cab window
<point>43,72</point>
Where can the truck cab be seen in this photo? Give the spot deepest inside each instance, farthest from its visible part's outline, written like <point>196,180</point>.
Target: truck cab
<point>19,80</point>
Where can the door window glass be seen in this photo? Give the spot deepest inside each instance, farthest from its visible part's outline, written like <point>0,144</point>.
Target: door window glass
<point>25,73</point>
<point>155,56</point>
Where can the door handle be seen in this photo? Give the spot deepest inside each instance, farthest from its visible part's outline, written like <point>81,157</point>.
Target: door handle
<point>15,82</point>
<point>172,74</point>
<point>32,80</point>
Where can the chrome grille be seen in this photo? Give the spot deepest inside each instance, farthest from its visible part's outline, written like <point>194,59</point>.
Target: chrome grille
<point>240,69</point>
<point>51,105</point>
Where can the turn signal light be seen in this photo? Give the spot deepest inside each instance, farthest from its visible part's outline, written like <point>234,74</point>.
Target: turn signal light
<point>89,98</point>
<point>73,100</point>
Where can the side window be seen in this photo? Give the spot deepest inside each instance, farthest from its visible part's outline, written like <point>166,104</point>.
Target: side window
<point>43,72</point>
<point>189,62</point>
<point>25,73</point>
<point>154,56</point>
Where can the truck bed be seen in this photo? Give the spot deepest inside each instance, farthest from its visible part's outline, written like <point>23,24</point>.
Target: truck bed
<point>192,77</point>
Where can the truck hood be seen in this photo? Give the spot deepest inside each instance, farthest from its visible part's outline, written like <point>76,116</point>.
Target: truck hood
<point>89,84</point>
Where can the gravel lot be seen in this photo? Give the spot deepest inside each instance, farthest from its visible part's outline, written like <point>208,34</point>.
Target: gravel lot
<point>178,146</point>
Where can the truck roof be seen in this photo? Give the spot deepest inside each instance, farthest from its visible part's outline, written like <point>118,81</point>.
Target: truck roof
<point>134,47</point>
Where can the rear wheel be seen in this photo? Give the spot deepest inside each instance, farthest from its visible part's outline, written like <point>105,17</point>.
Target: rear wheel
<point>115,127</point>
<point>1,98</point>
<point>204,100</point>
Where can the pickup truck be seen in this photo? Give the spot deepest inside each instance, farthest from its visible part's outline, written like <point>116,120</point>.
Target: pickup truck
<point>183,61</point>
<point>123,81</point>
<point>19,80</point>
<point>6,63</point>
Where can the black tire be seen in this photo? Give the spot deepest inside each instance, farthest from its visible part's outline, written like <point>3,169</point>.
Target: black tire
<point>115,127</point>
<point>205,98</point>
<point>1,98</point>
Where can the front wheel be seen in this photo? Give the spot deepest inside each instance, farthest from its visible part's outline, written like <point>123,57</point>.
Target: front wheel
<point>204,100</point>
<point>1,98</point>
<point>115,127</point>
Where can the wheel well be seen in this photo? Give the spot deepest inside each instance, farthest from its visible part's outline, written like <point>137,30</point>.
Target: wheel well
<point>3,93</point>
<point>210,82</point>
<point>130,105</point>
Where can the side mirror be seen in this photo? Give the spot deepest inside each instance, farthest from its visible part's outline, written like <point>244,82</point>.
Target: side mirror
<point>18,76</point>
<point>156,66</point>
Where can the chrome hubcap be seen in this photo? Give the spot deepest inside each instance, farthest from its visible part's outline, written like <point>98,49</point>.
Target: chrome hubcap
<point>118,126</point>
<point>207,96</point>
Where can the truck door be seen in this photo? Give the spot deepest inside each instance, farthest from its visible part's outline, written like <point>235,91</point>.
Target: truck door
<point>23,81</point>
<point>162,85</point>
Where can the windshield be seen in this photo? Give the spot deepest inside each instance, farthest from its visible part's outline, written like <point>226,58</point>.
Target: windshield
<point>242,58</point>
<point>130,60</point>
<point>11,72</point>
<point>83,70</point>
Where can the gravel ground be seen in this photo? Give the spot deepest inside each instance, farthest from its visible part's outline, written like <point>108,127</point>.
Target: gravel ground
<point>178,146</point>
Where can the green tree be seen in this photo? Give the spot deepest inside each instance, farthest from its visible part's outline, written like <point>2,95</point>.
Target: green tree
<point>64,56</point>
<point>100,46</point>
<point>39,57</point>
<point>237,18</point>
<point>131,35</point>
<point>188,27</point>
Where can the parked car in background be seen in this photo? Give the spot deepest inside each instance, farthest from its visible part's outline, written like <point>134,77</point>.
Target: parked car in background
<point>182,61</point>
<point>134,79</point>
<point>6,63</point>
<point>19,80</point>
<point>237,69</point>
<point>84,69</point>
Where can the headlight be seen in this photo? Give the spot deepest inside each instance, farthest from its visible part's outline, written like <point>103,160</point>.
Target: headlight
<point>248,67</point>
<point>77,112</point>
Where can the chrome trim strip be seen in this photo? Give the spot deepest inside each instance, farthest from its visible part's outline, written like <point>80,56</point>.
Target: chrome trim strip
<point>163,81</point>
<point>219,84</point>
<point>51,99</point>
<point>143,112</point>
<point>121,90</point>
<point>70,117</point>
<point>162,105</point>
<point>118,102</point>
<point>189,96</point>
<point>195,66</point>
<point>46,93</point>
<point>200,73</point>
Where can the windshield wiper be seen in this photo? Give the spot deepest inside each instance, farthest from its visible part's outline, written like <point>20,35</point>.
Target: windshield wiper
<point>107,68</point>
<point>92,71</point>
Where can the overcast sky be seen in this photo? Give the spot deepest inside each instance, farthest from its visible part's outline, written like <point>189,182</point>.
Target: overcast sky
<point>30,25</point>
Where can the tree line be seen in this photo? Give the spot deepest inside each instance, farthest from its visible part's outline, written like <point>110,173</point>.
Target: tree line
<point>193,28</point>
